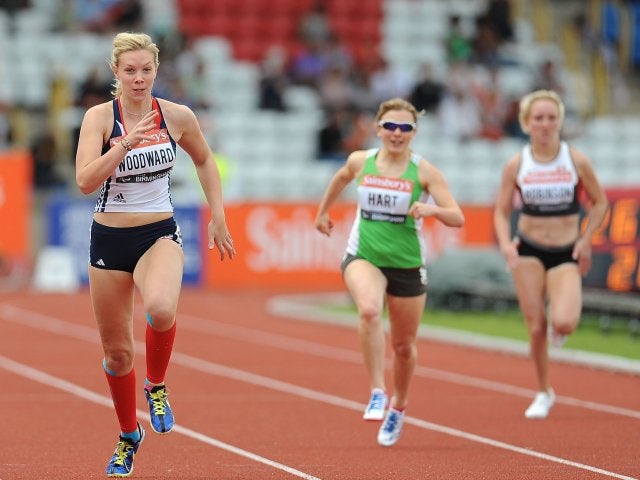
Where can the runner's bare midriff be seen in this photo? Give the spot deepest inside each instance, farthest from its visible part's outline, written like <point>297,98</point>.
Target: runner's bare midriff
<point>549,231</point>
<point>129,219</point>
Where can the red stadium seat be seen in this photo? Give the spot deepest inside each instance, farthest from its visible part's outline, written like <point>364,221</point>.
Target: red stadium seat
<point>247,26</point>
<point>280,28</point>
<point>254,7</point>
<point>187,7</point>
<point>186,24</point>
<point>249,49</point>
<point>220,25</point>
<point>344,7</point>
<point>219,7</point>
<point>254,25</point>
<point>295,7</point>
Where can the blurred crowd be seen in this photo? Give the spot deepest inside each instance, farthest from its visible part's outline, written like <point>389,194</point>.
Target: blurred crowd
<point>96,16</point>
<point>465,105</point>
<point>350,86</point>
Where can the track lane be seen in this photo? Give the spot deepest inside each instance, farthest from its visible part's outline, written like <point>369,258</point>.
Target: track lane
<point>345,380</point>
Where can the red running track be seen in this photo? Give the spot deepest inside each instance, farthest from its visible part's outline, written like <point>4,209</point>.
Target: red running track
<point>261,396</point>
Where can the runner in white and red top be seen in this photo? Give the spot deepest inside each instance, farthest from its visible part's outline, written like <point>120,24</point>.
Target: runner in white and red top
<point>549,251</point>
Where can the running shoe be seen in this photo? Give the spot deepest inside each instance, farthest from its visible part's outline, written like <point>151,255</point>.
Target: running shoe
<point>377,405</point>
<point>557,339</point>
<point>391,428</point>
<point>159,409</point>
<point>541,405</point>
<point>121,464</point>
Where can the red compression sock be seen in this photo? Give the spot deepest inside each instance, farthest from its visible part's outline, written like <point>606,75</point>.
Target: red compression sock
<point>123,393</point>
<point>159,346</point>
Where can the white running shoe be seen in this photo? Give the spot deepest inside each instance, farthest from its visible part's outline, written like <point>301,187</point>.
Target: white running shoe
<point>391,428</point>
<point>556,339</point>
<point>377,405</point>
<point>541,405</point>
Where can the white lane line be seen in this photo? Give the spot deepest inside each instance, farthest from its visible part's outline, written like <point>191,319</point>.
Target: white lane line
<point>213,327</point>
<point>267,382</point>
<point>190,322</point>
<point>513,448</point>
<point>48,323</point>
<point>56,382</point>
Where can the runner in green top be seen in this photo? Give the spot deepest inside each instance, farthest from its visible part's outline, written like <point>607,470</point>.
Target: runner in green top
<point>384,233</point>
<point>384,259</point>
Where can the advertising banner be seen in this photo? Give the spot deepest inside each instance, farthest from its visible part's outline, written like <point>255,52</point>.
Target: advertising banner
<point>278,246</point>
<point>15,204</point>
<point>69,224</point>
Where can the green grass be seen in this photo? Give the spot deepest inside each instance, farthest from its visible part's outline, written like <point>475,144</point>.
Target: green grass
<point>590,337</point>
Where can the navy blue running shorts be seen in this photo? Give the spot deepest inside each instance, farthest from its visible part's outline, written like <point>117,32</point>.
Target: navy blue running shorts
<point>120,248</point>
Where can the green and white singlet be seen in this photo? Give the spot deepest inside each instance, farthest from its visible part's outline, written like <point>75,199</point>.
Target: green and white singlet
<point>383,233</point>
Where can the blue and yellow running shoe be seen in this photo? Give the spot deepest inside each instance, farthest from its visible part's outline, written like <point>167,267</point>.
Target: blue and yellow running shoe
<point>121,464</point>
<point>159,409</point>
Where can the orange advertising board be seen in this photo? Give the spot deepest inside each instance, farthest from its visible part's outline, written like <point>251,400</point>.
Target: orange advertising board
<point>278,246</point>
<point>15,204</point>
<point>616,243</point>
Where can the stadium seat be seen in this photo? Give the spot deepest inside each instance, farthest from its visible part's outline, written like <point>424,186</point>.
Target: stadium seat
<point>248,26</point>
<point>279,29</point>
<point>219,24</point>
<point>253,7</point>
<point>249,49</point>
<point>295,7</point>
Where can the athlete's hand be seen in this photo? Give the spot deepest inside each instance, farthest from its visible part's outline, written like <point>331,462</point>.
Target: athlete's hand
<point>220,238</point>
<point>582,253</point>
<point>142,128</point>
<point>421,210</point>
<point>324,224</point>
<point>510,254</point>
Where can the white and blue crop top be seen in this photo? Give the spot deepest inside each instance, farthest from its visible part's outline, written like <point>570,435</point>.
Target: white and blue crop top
<point>142,181</point>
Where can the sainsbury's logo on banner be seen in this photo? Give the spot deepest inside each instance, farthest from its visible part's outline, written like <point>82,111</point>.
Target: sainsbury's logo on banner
<point>290,243</point>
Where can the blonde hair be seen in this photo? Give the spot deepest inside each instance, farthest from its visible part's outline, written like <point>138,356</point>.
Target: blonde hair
<point>397,104</point>
<point>128,42</point>
<point>527,102</point>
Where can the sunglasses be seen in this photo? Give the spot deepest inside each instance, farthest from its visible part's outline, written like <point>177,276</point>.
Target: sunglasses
<point>404,127</point>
